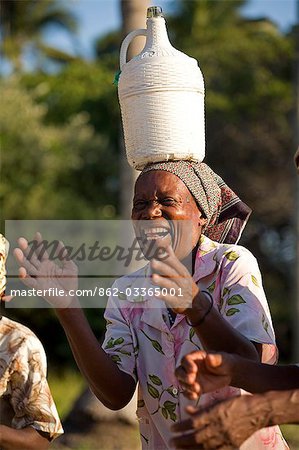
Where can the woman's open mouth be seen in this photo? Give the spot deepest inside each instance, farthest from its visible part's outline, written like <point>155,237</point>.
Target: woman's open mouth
<point>154,233</point>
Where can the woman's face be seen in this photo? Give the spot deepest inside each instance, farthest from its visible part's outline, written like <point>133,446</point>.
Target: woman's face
<point>165,212</point>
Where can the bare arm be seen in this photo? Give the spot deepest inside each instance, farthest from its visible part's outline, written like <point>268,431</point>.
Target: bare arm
<point>229,423</point>
<point>112,386</point>
<point>215,333</point>
<point>263,377</point>
<point>201,372</point>
<point>25,439</point>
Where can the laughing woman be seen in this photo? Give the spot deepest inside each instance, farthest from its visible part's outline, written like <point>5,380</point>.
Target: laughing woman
<point>202,292</point>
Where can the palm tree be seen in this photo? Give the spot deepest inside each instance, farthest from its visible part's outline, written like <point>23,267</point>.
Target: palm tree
<point>22,24</point>
<point>133,17</point>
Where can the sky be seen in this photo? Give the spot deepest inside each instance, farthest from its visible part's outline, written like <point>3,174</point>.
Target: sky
<point>97,17</point>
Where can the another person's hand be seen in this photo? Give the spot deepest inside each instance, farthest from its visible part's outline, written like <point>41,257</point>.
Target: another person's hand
<point>225,425</point>
<point>38,271</point>
<point>200,372</point>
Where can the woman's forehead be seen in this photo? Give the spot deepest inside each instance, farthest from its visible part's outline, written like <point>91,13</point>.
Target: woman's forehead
<point>160,180</point>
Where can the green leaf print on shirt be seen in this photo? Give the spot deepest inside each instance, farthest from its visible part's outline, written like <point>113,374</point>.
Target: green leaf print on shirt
<point>221,302</point>
<point>116,359</point>
<point>191,333</point>
<point>113,342</point>
<point>254,280</point>
<point>231,255</point>
<point>156,380</point>
<point>232,311</point>
<point>170,391</point>
<point>153,392</point>
<point>235,300</point>
<point>225,291</point>
<point>167,409</point>
<point>265,324</point>
<point>157,346</point>
<point>164,412</point>
<point>211,288</point>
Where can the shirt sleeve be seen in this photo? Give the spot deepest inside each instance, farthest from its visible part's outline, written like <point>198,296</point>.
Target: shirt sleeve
<point>31,398</point>
<point>120,342</point>
<point>244,305</point>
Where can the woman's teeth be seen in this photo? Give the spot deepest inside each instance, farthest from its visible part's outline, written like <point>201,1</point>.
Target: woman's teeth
<point>155,233</point>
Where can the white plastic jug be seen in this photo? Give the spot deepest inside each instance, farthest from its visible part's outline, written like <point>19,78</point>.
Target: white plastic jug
<point>161,95</point>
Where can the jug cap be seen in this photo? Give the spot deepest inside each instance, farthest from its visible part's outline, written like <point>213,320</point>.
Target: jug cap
<point>154,11</point>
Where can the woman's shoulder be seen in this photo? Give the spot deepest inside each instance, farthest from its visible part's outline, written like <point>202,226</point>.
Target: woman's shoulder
<point>225,253</point>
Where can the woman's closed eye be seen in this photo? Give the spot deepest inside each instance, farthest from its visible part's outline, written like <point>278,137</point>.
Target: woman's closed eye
<point>139,204</point>
<point>168,201</point>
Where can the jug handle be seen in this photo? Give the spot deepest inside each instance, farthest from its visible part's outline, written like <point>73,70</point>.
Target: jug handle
<point>125,44</point>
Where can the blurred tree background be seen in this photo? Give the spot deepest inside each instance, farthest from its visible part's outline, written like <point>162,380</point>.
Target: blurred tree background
<point>60,133</point>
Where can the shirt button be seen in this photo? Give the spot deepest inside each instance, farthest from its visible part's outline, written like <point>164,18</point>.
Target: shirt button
<point>170,337</point>
<point>175,391</point>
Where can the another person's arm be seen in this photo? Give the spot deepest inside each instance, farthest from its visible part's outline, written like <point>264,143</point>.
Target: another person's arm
<point>200,372</point>
<point>229,423</point>
<point>25,439</point>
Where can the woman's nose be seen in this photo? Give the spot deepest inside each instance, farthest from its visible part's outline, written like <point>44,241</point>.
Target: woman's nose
<point>152,210</point>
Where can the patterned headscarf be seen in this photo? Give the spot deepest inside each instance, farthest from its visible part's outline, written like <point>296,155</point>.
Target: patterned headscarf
<point>226,214</point>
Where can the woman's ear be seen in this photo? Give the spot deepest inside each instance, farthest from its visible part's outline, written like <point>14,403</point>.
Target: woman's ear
<point>202,221</point>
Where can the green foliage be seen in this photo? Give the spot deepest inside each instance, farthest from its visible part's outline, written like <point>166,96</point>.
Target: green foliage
<point>22,24</point>
<point>65,388</point>
<point>247,70</point>
<point>56,166</point>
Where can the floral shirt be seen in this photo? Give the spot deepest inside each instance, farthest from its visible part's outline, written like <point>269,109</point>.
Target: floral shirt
<point>141,341</point>
<point>25,397</point>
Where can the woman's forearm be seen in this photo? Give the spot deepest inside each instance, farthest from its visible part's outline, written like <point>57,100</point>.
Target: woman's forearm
<point>113,387</point>
<point>25,439</point>
<point>216,334</point>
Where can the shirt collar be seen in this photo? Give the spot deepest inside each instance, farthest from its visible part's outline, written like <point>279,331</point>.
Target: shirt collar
<point>205,260</point>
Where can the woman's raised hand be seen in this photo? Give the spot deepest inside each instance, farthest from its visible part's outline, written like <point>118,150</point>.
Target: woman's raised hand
<point>57,282</point>
<point>175,282</point>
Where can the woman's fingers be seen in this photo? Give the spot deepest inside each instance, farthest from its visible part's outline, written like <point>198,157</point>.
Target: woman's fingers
<point>188,382</point>
<point>172,261</point>
<point>41,248</point>
<point>162,282</point>
<point>191,392</point>
<point>184,377</point>
<point>27,279</point>
<point>24,262</point>
<point>163,269</point>
<point>29,252</point>
<point>214,360</point>
<point>193,410</point>
<point>189,361</point>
